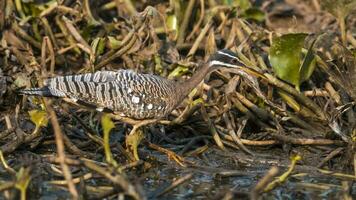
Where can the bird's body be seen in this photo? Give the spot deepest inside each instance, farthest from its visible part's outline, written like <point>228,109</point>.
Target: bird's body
<point>129,94</point>
<point>124,92</point>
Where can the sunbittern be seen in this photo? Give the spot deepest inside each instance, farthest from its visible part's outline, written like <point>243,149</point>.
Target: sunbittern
<point>137,98</point>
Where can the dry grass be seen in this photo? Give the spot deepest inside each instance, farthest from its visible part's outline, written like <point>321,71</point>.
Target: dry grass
<point>231,130</point>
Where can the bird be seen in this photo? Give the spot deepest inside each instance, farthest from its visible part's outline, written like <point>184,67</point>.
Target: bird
<point>136,98</point>
<point>129,94</point>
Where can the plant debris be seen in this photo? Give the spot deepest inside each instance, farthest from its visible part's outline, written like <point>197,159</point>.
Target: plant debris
<point>283,127</point>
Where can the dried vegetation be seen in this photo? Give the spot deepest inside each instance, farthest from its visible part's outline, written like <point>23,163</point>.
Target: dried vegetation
<point>286,133</point>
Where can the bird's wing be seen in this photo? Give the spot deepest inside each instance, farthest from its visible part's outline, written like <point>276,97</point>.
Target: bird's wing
<point>65,86</point>
<point>147,96</point>
<point>86,89</point>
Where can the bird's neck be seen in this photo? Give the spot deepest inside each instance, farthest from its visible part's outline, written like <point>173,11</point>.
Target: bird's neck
<point>186,87</point>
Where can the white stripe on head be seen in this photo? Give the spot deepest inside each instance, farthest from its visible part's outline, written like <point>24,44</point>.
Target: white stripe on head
<point>226,54</point>
<point>216,62</point>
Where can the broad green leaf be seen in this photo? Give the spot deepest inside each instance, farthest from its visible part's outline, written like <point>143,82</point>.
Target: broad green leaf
<point>39,118</point>
<point>285,57</point>
<point>255,14</point>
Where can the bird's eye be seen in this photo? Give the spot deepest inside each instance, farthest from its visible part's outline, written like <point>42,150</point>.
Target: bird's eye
<point>234,61</point>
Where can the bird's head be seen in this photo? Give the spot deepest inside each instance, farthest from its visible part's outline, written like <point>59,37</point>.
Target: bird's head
<point>225,58</point>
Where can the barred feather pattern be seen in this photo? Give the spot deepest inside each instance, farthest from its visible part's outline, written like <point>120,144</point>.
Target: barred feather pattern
<point>133,95</point>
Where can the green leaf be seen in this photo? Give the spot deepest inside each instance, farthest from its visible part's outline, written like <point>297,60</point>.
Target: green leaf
<point>308,65</point>
<point>34,9</point>
<point>113,43</point>
<point>98,45</point>
<point>197,101</point>
<point>255,14</point>
<point>158,63</point>
<point>285,57</point>
<point>172,25</point>
<point>39,118</point>
<point>177,72</point>
<point>86,31</point>
<point>289,100</point>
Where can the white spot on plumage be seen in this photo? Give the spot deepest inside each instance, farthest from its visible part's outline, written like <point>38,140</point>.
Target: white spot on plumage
<point>73,99</point>
<point>129,90</point>
<point>135,99</point>
<point>100,109</point>
<point>122,115</point>
<point>149,106</point>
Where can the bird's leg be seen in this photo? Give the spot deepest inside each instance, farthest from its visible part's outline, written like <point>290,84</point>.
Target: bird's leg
<point>133,139</point>
<point>135,136</point>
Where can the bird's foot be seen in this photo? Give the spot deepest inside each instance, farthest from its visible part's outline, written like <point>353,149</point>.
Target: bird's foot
<point>132,142</point>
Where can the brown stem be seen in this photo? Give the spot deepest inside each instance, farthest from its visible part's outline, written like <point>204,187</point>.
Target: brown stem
<point>60,149</point>
<point>343,30</point>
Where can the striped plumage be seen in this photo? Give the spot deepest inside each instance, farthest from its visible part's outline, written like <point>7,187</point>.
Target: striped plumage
<point>138,96</point>
<point>129,94</point>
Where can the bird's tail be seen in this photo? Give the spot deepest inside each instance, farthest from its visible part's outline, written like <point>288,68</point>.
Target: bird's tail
<point>44,91</point>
